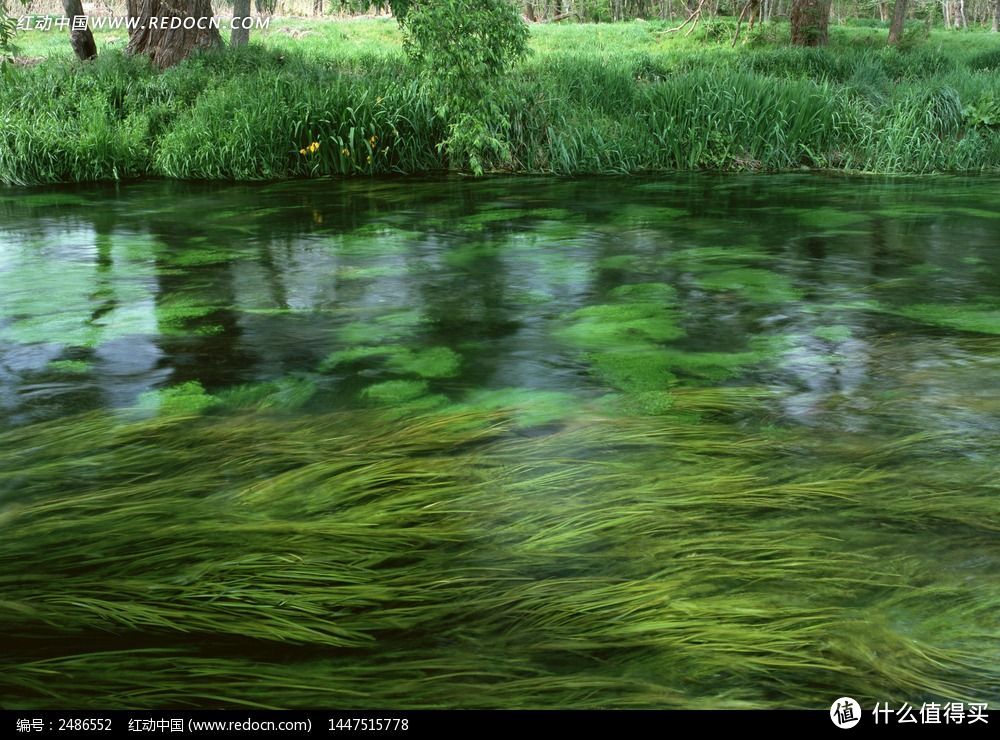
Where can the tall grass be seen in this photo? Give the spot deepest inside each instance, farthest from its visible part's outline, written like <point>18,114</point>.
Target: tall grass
<point>589,100</point>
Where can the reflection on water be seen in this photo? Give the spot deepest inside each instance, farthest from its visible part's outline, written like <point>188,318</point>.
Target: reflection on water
<point>701,441</point>
<point>835,294</point>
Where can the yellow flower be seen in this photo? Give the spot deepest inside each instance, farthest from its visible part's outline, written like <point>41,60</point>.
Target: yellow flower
<point>302,152</point>
<point>372,141</point>
<point>369,159</point>
<point>314,146</point>
<point>346,152</point>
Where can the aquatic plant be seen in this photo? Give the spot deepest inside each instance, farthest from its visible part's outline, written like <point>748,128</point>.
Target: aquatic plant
<point>441,560</point>
<point>975,318</point>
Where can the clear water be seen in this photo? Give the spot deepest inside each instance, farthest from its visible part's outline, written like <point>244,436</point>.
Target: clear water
<point>842,315</point>
<point>845,290</point>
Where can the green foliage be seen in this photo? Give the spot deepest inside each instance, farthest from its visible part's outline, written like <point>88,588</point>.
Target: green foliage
<point>8,23</point>
<point>985,61</point>
<point>8,29</point>
<point>463,46</point>
<point>606,99</point>
<point>984,112</point>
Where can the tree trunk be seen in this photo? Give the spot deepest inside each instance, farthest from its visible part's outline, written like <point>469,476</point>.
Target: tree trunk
<point>240,36</point>
<point>810,22</point>
<point>953,12</point>
<point>996,16</point>
<point>168,46</point>
<point>529,12</point>
<point>898,18</point>
<point>82,40</point>
<point>317,7</point>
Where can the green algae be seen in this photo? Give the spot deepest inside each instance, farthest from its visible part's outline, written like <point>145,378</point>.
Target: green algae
<point>183,399</point>
<point>637,371</point>
<point>827,218</point>
<point>525,407</point>
<point>614,325</point>
<point>714,366</point>
<point>755,284</point>
<point>433,362</point>
<point>284,394</point>
<point>174,314</point>
<point>373,239</point>
<point>468,254</point>
<point>589,466</point>
<point>981,318</point>
<point>618,262</point>
<point>357,354</point>
<point>712,255</point>
<point>641,403</point>
<point>390,327</point>
<point>834,332</point>
<point>70,367</point>
<point>393,392</point>
<point>646,293</point>
<point>430,362</point>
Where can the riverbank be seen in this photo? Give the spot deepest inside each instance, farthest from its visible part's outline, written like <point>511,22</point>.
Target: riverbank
<point>623,98</point>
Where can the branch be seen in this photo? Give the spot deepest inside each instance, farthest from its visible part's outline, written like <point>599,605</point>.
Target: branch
<point>695,15</point>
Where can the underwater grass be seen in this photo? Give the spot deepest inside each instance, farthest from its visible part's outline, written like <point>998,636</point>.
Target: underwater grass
<point>226,558</point>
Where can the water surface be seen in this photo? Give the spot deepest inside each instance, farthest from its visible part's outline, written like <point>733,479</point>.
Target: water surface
<point>698,441</point>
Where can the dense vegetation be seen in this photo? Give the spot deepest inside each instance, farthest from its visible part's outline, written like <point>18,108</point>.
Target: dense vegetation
<point>699,442</point>
<point>588,99</point>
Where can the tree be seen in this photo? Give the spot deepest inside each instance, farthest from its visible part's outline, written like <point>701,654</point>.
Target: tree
<point>463,45</point>
<point>810,22</point>
<point>169,31</point>
<point>996,16</point>
<point>898,18</point>
<point>81,39</point>
<point>8,30</point>
<point>240,36</point>
<point>462,49</point>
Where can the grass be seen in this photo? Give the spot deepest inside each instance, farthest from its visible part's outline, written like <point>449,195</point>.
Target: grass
<point>445,560</point>
<point>590,99</point>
